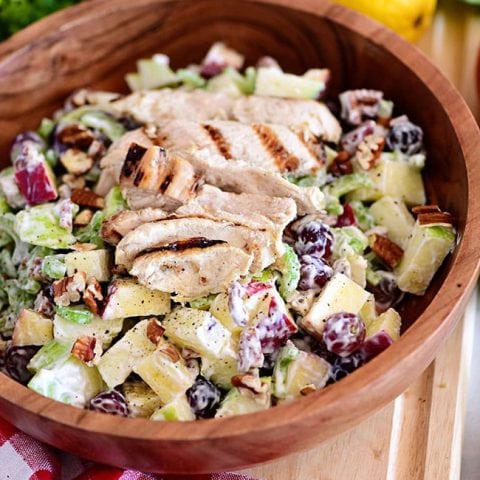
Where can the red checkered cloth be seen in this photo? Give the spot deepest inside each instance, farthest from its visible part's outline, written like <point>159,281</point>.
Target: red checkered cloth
<point>24,458</point>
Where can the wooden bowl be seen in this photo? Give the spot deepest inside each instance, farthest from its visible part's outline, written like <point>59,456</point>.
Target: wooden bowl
<point>95,44</point>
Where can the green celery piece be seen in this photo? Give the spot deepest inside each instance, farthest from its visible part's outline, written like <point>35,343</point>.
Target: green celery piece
<point>72,382</point>
<point>373,278</point>
<point>105,123</point>
<point>247,81</point>
<point>363,216</point>
<point>287,355</point>
<point>52,353</point>
<point>46,128</point>
<point>40,226</point>
<point>290,268</point>
<point>385,108</point>
<point>91,233</point>
<point>265,276</point>
<point>190,78</point>
<point>53,266</point>
<point>348,183</point>
<point>349,240</point>
<point>6,264</point>
<point>317,179</point>
<point>76,314</point>
<point>202,303</point>
<point>51,158</point>
<point>114,202</point>
<point>7,226</point>
<point>156,73</point>
<point>333,205</point>
<point>4,206</point>
<point>439,231</point>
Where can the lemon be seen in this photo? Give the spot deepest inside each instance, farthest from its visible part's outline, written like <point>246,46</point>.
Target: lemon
<point>409,18</point>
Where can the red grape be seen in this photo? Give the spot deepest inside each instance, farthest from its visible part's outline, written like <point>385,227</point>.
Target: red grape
<point>344,333</point>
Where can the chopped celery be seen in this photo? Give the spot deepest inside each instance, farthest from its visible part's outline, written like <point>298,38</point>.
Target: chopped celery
<point>177,410</point>
<point>114,202</point>
<point>227,82</point>
<point>373,278</point>
<point>4,206</point>
<point>290,268</point>
<point>71,382</point>
<point>385,108</point>
<point>203,303</point>
<point>51,353</point>
<point>103,122</point>
<point>76,314</point>
<point>363,216</point>
<point>348,241</point>
<point>348,183</point>
<point>333,205</point>
<point>190,78</point>
<point>46,128</point>
<point>91,233</point>
<point>53,266</point>
<point>247,82</point>
<point>51,158</point>
<point>154,72</point>
<point>265,276</point>
<point>40,226</point>
<point>316,179</point>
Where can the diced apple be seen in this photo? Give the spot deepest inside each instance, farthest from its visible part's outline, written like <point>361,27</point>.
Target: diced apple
<point>167,377</point>
<point>36,183</point>
<point>32,328</point>
<point>368,312</point>
<point>71,382</point>
<point>117,363</point>
<point>296,369</point>
<point>95,263</point>
<point>339,295</point>
<point>196,329</point>
<point>127,298</point>
<point>394,178</point>
<point>103,330</point>
<point>425,252</point>
<point>393,214</point>
<point>142,400</point>
<point>221,370</point>
<point>238,403</point>
<point>358,267</point>
<point>381,333</point>
<point>177,410</point>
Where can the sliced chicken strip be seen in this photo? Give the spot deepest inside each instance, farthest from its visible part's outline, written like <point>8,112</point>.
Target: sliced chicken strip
<point>152,178</point>
<point>192,272</point>
<point>159,106</point>
<point>260,243</point>
<point>252,210</point>
<point>117,226</point>
<point>238,177</point>
<point>112,162</point>
<point>309,117</point>
<point>272,147</point>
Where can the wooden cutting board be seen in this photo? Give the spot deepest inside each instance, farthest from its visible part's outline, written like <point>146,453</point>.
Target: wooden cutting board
<point>417,437</point>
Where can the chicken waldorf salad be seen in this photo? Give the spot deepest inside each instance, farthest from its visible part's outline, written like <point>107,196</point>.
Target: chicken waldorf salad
<point>217,242</point>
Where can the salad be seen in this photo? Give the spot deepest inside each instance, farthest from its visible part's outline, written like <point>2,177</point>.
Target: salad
<point>219,241</point>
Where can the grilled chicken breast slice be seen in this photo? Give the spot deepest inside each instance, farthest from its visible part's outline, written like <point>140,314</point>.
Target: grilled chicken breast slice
<point>151,178</point>
<point>271,147</point>
<point>260,243</point>
<point>117,226</point>
<point>192,272</point>
<point>309,117</point>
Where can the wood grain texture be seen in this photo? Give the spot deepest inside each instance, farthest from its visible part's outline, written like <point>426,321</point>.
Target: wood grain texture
<point>95,44</point>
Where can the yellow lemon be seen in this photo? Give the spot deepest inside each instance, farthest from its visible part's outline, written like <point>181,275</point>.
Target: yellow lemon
<point>409,18</point>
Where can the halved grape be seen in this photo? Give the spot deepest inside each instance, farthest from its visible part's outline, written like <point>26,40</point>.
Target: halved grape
<point>112,402</point>
<point>203,397</point>
<point>314,273</point>
<point>344,333</point>
<point>315,238</point>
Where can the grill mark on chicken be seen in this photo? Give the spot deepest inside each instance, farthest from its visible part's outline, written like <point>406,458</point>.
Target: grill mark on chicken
<point>219,140</point>
<point>282,157</point>
<point>165,183</point>
<point>313,146</point>
<point>181,245</point>
<point>134,155</point>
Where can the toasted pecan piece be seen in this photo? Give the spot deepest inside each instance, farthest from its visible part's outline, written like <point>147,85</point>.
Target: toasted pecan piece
<point>155,331</point>
<point>435,218</point>
<point>386,250</point>
<point>419,209</point>
<point>170,351</point>
<point>83,247</point>
<point>69,289</point>
<point>87,198</point>
<point>93,295</point>
<point>341,164</point>
<point>308,389</point>
<point>84,347</point>
<point>83,218</point>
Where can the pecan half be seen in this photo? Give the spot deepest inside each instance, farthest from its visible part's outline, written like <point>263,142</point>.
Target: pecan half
<point>189,354</point>
<point>369,151</point>
<point>83,247</point>
<point>435,218</point>
<point>76,162</point>
<point>69,289</point>
<point>84,347</point>
<point>249,382</point>
<point>386,250</point>
<point>93,295</point>
<point>341,164</point>
<point>155,331</point>
<point>308,389</point>
<point>87,198</point>
<point>76,136</point>
<point>170,351</point>
<point>419,209</point>
<point>83,218</point>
